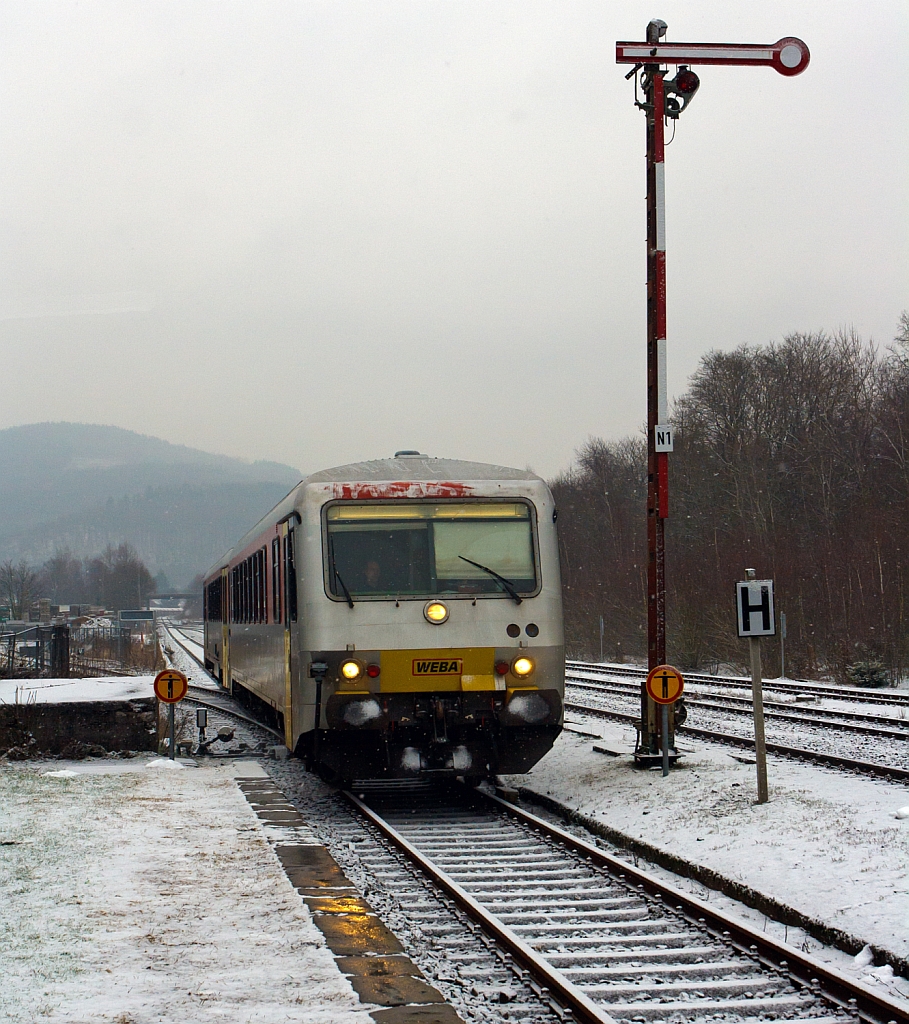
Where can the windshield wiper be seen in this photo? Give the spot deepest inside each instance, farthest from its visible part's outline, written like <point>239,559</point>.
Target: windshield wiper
<point>507,584</point>
<point>344,587</point>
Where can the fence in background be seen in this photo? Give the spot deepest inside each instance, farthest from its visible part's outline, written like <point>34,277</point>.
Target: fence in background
<point>58,652</point>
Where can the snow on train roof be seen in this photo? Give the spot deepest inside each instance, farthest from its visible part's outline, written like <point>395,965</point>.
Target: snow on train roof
<point>418,467</point>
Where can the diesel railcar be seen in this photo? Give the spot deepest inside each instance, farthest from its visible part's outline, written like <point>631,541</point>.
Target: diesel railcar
<point>401,616</point>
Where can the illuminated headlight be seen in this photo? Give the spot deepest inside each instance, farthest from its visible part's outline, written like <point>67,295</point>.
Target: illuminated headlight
<point>522,667</point>
<point>436,612</point>
<point>351,670</point>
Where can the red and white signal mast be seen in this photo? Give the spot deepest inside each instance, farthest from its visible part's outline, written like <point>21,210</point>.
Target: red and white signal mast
<point>664,100</point>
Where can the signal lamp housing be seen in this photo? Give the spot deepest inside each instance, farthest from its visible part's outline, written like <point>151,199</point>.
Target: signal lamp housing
<point>502,668</point>
<point>685,84</point>
<point>373,671</point>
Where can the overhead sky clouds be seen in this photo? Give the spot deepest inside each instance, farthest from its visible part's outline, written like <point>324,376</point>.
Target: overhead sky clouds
<point>320,231</point>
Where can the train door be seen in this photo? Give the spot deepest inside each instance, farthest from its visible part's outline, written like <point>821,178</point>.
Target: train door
<point>225,629</point>
<point>288,593</point>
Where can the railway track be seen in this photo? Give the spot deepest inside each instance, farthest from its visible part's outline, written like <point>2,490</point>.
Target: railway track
<point>848,764</point>
<point>853,694</point>
<point>854,721</point>
<point>606,941</point>
<point>593,938</point>
<point>879,739</point>
<point>213,697</point>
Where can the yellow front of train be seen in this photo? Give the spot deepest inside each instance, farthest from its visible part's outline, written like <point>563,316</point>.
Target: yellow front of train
<point>430,630</point>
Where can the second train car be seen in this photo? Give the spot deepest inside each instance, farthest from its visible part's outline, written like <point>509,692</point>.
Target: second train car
<point>401,616</point>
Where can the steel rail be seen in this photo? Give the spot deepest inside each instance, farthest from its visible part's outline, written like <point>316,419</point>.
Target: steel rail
<point>235,714</point>
<point>569,995</point>
<point>831,760</point>
<point>819,980</point>
<point>858,695</point>
<point>773,954</point>
<point>873,725</point>
<point>221,693</point>
<point>172,632</point>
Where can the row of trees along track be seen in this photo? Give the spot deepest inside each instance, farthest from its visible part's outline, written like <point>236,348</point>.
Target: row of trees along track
<point>115,579</point>
<point>792,458</point>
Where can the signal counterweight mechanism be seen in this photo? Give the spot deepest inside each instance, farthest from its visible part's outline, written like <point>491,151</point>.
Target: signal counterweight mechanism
<point>400,617</point>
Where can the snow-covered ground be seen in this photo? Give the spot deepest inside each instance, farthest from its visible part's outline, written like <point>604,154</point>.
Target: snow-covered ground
<point>65,691</point>
<point>828,844</point>
<point>135,892</point>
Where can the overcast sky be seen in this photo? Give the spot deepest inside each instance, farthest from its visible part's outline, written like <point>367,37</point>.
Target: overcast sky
<point>320,231</point>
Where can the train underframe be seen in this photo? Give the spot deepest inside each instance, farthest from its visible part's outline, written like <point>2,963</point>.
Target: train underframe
<point>406,735</point>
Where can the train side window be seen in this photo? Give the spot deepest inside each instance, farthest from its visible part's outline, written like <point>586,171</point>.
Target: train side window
<point>290,577</point>
<point>276,580</point>
<point>263,593</point>
<point>255,581</point>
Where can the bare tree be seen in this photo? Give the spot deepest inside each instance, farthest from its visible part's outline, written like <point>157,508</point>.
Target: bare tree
<point>18,587</point>
<point>792,458</point>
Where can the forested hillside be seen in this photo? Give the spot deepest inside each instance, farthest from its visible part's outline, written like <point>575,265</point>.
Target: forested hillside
<point>791,458</point>
<point>79,488</point>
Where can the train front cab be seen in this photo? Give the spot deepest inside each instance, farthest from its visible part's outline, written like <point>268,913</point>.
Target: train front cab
<point>455,659</point>
<point>429,714</point>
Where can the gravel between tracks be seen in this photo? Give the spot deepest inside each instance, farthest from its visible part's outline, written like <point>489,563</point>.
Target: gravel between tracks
<point>435,935</point>
<point>828,844</point>
<point>875,749</point>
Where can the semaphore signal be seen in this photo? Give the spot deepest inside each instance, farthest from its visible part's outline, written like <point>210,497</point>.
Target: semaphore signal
<point>665,99</point>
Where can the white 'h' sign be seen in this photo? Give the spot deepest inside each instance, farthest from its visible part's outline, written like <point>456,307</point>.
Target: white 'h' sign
<point>754,605</point>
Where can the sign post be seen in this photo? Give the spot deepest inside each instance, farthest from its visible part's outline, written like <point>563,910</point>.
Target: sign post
<point>171,687</point>
<point>782,645</point>
<point>664,100</point>
<point>754,609</point>
<point>664,686</point>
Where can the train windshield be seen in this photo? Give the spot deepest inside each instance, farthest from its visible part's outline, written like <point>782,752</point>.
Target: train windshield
<point>419,549</point>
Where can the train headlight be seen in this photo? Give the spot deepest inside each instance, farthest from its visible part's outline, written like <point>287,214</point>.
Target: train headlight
<point>351,670</point>
<point>522,667</point>
<point>436,612</point>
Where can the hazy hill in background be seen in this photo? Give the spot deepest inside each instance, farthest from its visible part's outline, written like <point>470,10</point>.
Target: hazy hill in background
<point>81,487</point>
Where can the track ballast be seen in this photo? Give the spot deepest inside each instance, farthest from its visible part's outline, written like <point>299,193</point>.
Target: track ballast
<point>870,749</point>
<point>608,942</point>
